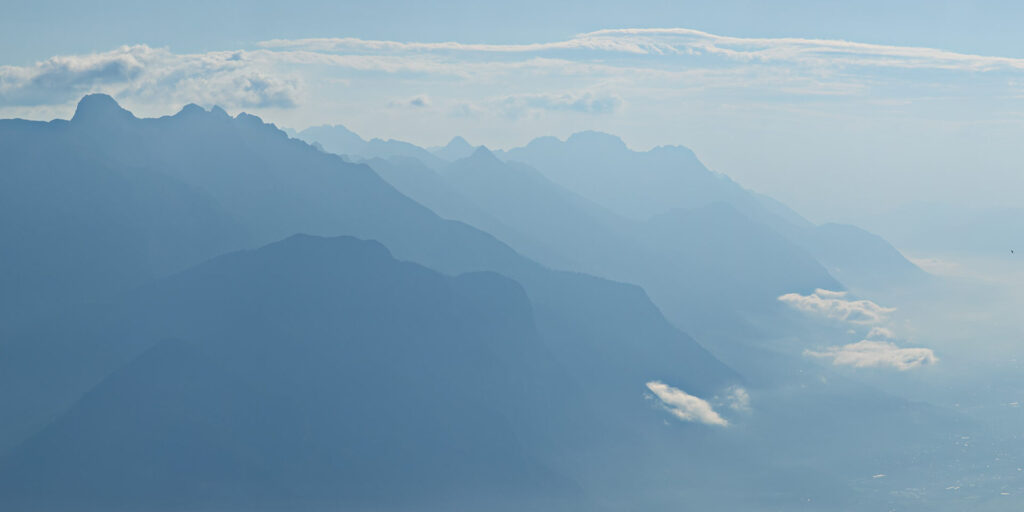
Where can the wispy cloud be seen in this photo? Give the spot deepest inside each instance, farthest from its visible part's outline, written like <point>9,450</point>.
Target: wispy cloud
<point>686,406</point>
<point>868,353</point>
<point>686,41</point>
<point>835,305</point>
<point>594,41</point>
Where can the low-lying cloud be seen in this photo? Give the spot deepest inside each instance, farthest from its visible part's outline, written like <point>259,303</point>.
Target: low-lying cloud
<point>869,353</point>
<point>686,406</point>
<point>835,305</point>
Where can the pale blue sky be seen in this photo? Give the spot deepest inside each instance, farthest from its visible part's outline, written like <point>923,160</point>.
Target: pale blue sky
<point>902,102</point>
<point>32,30</point>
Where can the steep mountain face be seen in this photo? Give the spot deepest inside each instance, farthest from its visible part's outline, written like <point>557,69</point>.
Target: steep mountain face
<point>729,264</point>
<point>312,371</point>
<point>581,231</point>
<point>429,188</point>
<point>642,185</point>
<point>861,258</point>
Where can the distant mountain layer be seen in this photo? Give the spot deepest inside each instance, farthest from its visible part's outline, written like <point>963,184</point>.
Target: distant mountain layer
<point>340,140</point>
<point>704,267</point>
<point>633,186</point>
<point>646,184</point>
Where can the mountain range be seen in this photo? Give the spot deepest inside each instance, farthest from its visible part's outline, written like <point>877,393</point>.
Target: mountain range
<point>200,312</point>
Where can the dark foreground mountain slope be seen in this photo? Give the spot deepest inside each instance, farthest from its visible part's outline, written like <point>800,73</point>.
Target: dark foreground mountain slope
<point>314,372</point>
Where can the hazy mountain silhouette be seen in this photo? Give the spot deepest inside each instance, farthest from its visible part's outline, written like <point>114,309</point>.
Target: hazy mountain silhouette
<point>341,140</point>
<point>634,184</point>
<point>943,229</point>
<point>645,184</point>
<point>704,273</point>
<point>579,230</point>
<point>865,259</point>
<point>456,149</point>
<point>429,188</point>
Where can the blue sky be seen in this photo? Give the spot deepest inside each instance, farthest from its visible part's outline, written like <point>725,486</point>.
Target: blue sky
<point>834,107</point>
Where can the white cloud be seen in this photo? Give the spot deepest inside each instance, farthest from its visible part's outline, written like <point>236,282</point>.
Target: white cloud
<point>834,305</point>
<point>139,72</point>
<point>868,353</point>
<point>738,399</point>
<point>686,406</point>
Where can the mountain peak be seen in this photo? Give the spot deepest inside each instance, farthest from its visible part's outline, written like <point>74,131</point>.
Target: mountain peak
<point>589,137</point>
<point>191,110</point>
<point>459,143</point>
<point>482,154</point>
<point>99,107</point>
<point>456,149</point>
